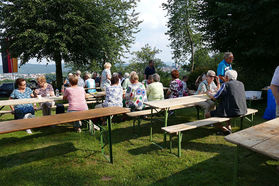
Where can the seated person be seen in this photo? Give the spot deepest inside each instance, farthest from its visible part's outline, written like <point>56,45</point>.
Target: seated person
<point>155,88</point>
<point>90,83</point>
<point>114,94</point>
<point>135,94</point>
<point>185,88</point>
<point>232,100</point>
<point>44,89</point>
<point>208,86</point>
<point>126,81</point>
<point>176,86</point>
<point>76,97</point>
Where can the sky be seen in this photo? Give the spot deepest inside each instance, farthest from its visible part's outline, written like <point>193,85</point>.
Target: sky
<point>152,30</point>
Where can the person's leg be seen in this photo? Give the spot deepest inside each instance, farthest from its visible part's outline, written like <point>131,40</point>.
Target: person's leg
<point>211,105</point>
<point>205,105</point>
<point>225,130</point>
<point>99,106</point>
<point>46,108</point>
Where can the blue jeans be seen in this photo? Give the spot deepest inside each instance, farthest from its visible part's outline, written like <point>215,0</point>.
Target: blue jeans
<point>21,111</point>
<point>77,124</point>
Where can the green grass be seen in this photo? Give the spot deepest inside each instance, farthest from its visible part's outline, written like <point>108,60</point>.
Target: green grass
<point>59,156</point>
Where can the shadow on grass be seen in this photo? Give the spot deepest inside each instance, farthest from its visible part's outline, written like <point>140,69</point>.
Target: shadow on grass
<point>187,137</point>
<point>219,169</point>
<point>45,131</point>
<point>36,155</point>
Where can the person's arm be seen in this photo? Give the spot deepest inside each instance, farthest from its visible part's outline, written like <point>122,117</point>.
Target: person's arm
<point>275,92</point>
<point>218,82</point>
<point>221,72</point>
<point>11,106</point>
<point>65,96</point>
<point>222,78</point>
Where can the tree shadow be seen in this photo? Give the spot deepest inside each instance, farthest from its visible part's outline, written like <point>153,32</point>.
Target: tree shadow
<point>21,158</point>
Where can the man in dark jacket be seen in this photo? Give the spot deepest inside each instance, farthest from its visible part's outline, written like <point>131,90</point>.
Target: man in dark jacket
<point>232,100</point>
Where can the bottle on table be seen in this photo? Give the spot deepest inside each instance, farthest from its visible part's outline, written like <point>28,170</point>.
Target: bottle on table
<point>57,93</point>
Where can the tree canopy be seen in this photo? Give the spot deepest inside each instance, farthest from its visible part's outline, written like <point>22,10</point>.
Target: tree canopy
<point>249,30</point>
<point>76,31</point>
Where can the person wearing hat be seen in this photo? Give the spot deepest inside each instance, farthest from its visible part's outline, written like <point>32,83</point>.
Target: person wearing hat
<point>208,86</point>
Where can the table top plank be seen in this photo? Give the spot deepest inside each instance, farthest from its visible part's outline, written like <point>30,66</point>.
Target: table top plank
<point>259,138</point>
<point>269,147</point>
<point>23,124</point>
<point>181,101</point>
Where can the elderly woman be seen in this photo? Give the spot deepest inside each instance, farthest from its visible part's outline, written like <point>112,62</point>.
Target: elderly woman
<point>106,76</point>
<point>114,94</point>
<point>208,86</point>
<point>44,89</point>
<point>135,94</point>
<point>66,82</point>
<point>76,97</point>
<point>176,86</point>
<point>22,92</point>
<point>90,83</point>
<point>155,89</point>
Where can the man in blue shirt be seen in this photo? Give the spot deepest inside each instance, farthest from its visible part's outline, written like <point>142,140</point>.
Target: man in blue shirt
<point>224,66</point>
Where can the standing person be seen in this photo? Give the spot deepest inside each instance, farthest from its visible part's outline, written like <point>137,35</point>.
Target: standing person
<point>275,89</point>
<point>232,100</point>
<point>135,94</point>
<point>208,86</point>
<point>224,66</point>
<point>106,76</point>
<point>80,80</point>
<point>121,78</point>
<point>176,86</point>
<point>150,70</point>
<point>76,97</point>
<point>114,95</point>
<point>90,83</point>
<point>44,89</point>
<point>155,89</point>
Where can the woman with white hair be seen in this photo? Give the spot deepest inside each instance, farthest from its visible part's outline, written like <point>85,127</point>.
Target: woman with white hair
<point>155,89</point>
<point>106,76</point>
<point>126,82</point>
<point>135,93</point>
<point>232,100</point>
<point>90,83</point>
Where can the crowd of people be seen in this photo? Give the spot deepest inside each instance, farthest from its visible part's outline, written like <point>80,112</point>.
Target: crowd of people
<point>128,91</point>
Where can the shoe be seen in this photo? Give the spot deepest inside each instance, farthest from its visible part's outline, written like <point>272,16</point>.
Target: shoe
<point>29,131</point>
<point>227,132</point>
<point>78,130</point>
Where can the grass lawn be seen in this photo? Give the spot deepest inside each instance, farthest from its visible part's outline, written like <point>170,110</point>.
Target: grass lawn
<point>59,156</point>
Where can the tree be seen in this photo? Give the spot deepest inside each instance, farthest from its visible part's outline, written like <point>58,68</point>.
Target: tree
<point>76,31</point>
<point>183,32</point>
<point>142,57</point>
<point>249,29</point>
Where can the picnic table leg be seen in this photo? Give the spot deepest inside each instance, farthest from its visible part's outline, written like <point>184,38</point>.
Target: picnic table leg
<point>170,143</point>
<point>179,143</point>
<point>166,124</point>
<point>110,144</point>
<point>151,123</point>
<point>241,123</point>
<point>236,166</point>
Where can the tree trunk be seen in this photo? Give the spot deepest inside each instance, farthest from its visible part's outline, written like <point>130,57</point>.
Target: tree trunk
<point>59,76</point>
<point>193,53</point>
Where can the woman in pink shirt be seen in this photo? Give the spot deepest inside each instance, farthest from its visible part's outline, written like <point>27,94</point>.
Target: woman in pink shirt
<point>76,98</point>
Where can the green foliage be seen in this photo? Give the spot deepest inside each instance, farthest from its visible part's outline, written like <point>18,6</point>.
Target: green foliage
<point>249,29</point>
<point>141,60</point>
<point>78,32</point>
<point>183,32</point>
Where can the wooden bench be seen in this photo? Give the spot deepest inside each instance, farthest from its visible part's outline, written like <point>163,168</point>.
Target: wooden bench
<point>42,121</point>
<point>179,128</point>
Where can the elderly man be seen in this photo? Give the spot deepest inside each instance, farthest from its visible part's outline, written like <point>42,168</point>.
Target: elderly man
<point>275,89</point>
<point>232,100</point>
<point>224,66</point>
<point>208,86</point>
<point>80,80</point>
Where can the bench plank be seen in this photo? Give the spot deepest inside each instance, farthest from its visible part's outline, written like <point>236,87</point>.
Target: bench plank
<point>193,124</point>
<point>23,124</point>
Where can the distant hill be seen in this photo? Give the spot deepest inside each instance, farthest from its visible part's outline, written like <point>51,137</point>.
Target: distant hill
<point>36,68</point>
